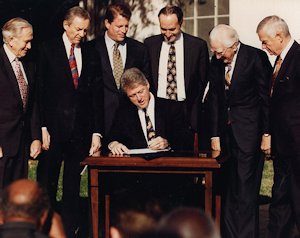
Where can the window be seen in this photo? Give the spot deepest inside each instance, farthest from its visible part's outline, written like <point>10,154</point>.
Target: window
<point>200,16</point>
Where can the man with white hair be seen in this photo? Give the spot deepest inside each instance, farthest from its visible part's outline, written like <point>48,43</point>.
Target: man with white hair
<point>284,211</point>
<point>18,111</point>
<point>239,82</point>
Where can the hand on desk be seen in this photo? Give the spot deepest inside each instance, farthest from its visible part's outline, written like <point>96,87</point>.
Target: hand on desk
<point>117,148</point>
<point>158,143</point>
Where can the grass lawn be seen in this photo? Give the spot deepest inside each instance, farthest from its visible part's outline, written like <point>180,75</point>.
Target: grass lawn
<point>266,185</point>
<point>83,184</point>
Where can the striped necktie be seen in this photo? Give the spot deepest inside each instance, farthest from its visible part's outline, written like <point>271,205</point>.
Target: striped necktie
<point>275,73</point>
<point>73,66</point>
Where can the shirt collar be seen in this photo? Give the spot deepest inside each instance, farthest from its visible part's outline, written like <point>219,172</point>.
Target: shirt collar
<point>110,42</point>
<point>286,49</point>
<point>67,41</point>
<point>150,104</point>
<point>11,56</point>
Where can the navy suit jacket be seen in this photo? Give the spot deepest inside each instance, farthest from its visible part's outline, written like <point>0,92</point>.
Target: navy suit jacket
<point>169,124</point>
<point>196,63</point>
<point>248,99</point>
<point>15,123</point>
<point>285,105</point>
<point>65,111</point>
<point>136,57</point>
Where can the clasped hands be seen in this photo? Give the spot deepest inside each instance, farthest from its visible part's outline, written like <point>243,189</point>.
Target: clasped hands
<point>157,143</point>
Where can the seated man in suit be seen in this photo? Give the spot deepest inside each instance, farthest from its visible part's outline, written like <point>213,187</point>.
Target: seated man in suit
<point>145,121</point>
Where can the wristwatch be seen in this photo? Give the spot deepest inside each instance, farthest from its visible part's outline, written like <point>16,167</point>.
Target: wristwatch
<point>266,135</point>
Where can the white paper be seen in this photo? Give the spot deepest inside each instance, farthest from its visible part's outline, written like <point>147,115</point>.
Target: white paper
<point>144,151</point>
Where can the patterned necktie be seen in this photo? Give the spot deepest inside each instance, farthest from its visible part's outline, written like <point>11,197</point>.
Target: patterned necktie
<point>23,86</point>
<point>171,74</point>
<point>275,73</point>
<point>73,66</point>
<point>118,65</point>
<point>149,126</point>
<point>227,77</point>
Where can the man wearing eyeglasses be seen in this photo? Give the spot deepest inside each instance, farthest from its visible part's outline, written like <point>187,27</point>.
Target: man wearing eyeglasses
<point>239,88</point>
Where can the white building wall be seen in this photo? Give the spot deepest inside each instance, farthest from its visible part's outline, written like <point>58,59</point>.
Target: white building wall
<point>246,14</point>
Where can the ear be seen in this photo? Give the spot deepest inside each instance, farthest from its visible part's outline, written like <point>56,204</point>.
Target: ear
<point>279,37</point>
<point>114,232</point>
<point>106,23</point>
<point>65,25</point>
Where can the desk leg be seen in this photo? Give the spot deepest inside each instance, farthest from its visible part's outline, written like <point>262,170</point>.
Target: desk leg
<point>208,192</point>
<point>94,201</point>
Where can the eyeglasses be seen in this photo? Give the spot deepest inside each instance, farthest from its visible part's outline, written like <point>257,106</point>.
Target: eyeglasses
<point>221,54</point>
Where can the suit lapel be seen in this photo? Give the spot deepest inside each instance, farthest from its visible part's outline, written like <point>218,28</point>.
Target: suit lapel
<point>187,60</point>
<point>156,48</point>
<point>240,62</point>
<point>109,80</point>
<point>11,76</point>
<point>285,64</point>
<point>61,58</point>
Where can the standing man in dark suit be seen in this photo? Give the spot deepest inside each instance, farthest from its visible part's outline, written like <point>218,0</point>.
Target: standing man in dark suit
<point>19,121</point>
<point>117,52</point>
<point>70,98</point>
<point>145,121</point>
<point>179,64</point>
<point>284,210</point>
<point>239,88</point>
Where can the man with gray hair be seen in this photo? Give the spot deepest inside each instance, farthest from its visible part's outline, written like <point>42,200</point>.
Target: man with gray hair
<point>71,111</point>
<point>18,109</point>
<point>284,210</point>
<point>239,82</point>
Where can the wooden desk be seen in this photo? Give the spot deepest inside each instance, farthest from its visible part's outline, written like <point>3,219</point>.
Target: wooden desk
<point>167,165</point>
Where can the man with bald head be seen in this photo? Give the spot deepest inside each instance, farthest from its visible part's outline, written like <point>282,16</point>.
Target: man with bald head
<point>239,85</point>
<point>284,211</point>
<point>23,204</point>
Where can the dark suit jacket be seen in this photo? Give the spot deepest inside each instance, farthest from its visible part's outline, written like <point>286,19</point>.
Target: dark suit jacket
<point>248,101</point>
<point>285,105</point>
<point>136,57</point>
<point>195,69</point>
<point>68,112</point>
<point>169,124</point>
<point>15,123</point>
<point>20,230</point>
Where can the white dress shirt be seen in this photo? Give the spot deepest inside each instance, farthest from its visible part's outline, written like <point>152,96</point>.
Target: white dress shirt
<point>11,57</point>
<point>110,48</point>
<point>163,69</point>
<point>77,52</point>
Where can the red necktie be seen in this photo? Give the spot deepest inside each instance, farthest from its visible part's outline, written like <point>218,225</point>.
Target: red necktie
<point>73,66</point>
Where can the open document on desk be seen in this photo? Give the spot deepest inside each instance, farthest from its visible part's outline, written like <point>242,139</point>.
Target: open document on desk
<point>145,151</point>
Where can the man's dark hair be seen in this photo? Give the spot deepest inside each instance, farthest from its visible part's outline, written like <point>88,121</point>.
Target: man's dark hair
<point>189,222</point>
<point>169,10</point>
<point>132,223</point>
<point>116,9</point>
